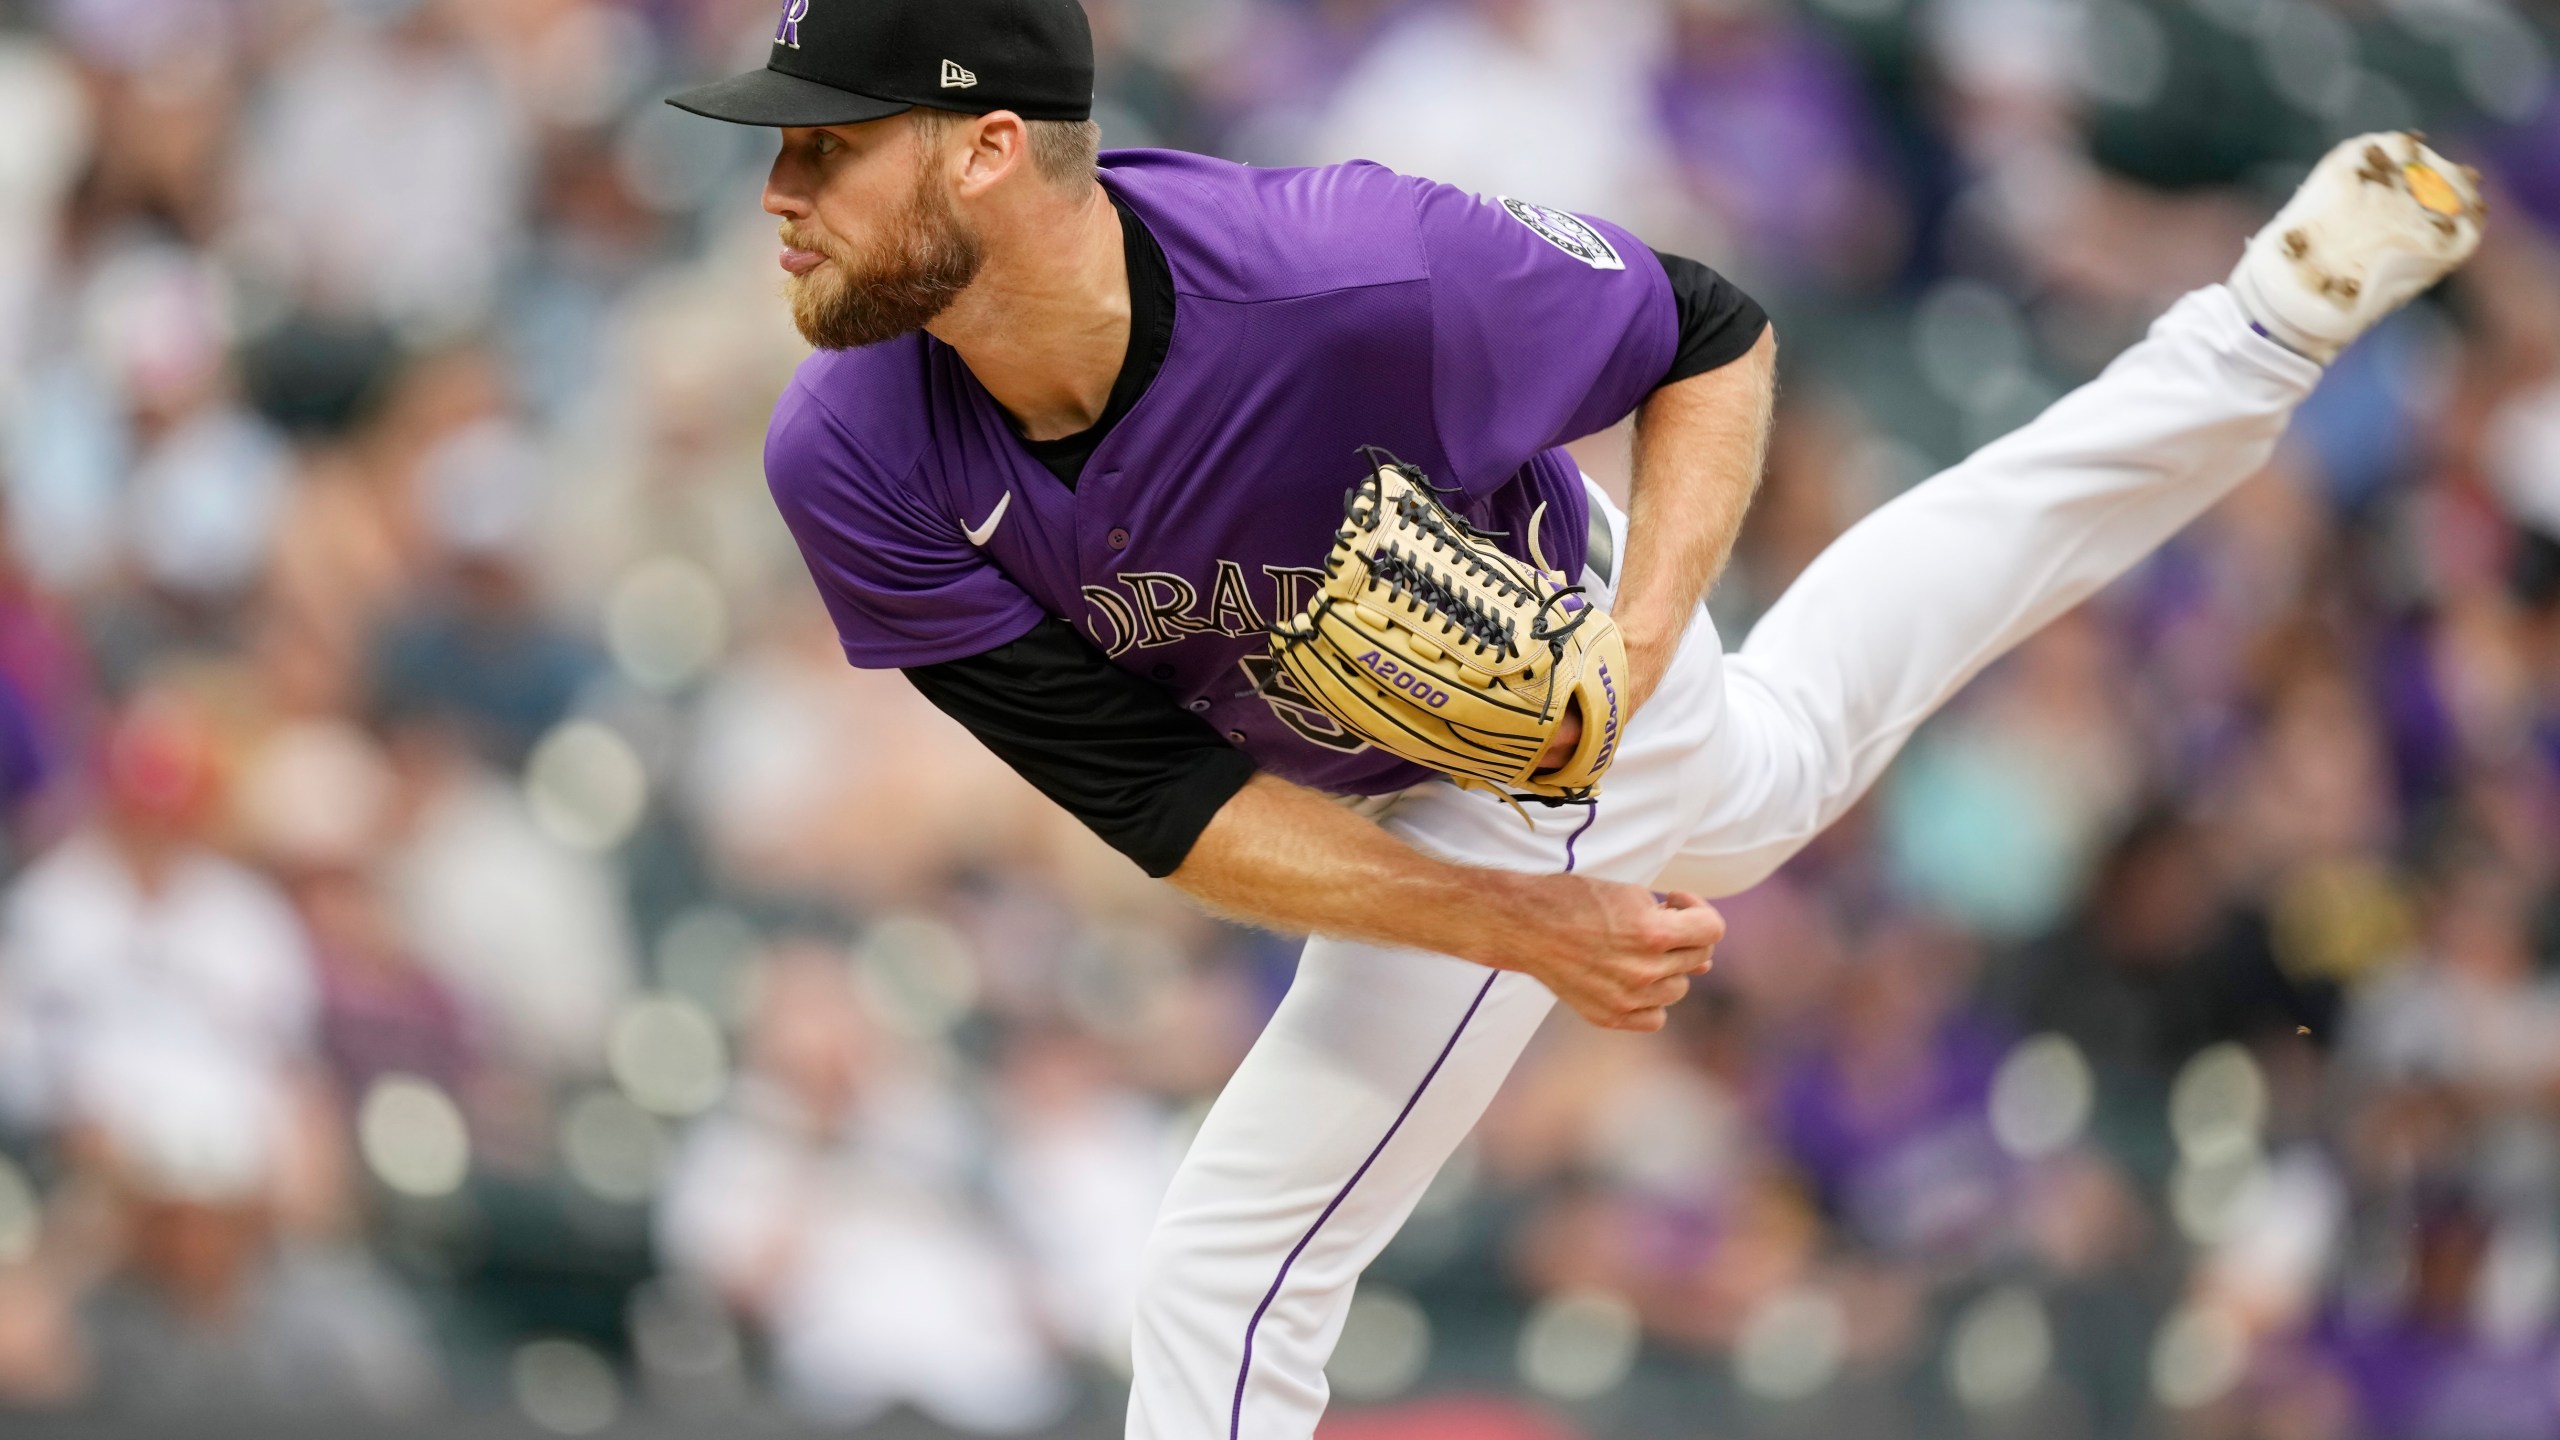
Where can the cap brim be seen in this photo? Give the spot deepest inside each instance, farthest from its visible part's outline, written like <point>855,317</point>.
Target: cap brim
<point>769,97</point>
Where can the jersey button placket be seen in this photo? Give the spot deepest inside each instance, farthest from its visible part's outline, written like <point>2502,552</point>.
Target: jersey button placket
<point>1119,538</point>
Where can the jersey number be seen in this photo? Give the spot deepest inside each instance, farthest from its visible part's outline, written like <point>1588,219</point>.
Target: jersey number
<point>1295,709</point>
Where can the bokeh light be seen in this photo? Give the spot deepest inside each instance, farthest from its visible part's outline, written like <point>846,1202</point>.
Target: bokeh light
<point>1579,1344</point>
<point>413,1137</point>
<point>1792,1345</point>
<point>2206,1195</point>
<point>613,1148</point>
<point>2041,1097</point>
<point>2218,1106</point>
<point>919,973</point>
<point>1386,1341</point>
<point>708,955</point>
<point>586,786</point>
<point>667,1054</point>
<point>688,1346</point>
<point>2000,1350</point>
<point>666,623</point>
<point>2197,1357</point>
<point>565,1387</point>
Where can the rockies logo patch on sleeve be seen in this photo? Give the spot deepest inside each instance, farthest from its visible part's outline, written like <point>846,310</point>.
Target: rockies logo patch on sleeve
<point>1567,232</point>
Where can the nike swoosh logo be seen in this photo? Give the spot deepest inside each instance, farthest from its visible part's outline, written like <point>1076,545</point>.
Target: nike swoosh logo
<point>981,534</point>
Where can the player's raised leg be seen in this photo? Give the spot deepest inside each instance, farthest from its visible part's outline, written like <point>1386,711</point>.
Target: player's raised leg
<point>1916,599</point>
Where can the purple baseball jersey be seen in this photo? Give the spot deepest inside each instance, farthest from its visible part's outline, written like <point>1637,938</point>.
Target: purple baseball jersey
<point>1317,311</point>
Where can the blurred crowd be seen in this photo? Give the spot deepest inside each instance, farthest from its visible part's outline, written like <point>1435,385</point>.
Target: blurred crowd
<point>467,941</point>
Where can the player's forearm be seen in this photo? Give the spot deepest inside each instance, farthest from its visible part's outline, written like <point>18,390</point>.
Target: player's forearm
<point>1285,857</point>
<point>1700,447</point>
<point>1288,858</point>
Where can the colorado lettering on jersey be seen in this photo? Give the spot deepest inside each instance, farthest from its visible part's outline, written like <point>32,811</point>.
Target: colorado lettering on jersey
<point>1145,609</point>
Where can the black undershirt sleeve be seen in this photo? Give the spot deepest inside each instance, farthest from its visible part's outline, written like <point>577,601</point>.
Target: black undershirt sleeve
<point>1113,750</point>
<point>1718,323</point>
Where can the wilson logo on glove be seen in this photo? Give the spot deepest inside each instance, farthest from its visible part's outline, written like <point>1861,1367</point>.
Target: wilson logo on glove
<point>1429,641</point>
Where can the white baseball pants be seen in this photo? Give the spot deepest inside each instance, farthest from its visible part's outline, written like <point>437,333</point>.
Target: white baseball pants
<point>1379,1061</point>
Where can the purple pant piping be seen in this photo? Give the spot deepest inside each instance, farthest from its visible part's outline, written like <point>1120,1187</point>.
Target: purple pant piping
<point>1244,1370</point>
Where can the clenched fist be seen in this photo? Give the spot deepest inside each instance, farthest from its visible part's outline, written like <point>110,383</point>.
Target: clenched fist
<point>1620,955</point>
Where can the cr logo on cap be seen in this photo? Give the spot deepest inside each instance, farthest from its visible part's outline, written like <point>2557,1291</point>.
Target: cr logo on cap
<point>793,12</point>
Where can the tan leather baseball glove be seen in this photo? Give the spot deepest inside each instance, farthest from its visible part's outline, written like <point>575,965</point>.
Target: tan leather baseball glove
<point>1432,643</point>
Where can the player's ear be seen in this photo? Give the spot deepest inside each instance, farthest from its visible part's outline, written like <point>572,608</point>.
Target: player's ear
<point>999,144</point>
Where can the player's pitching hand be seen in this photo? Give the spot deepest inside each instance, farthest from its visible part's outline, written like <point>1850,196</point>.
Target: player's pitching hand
<point>1568,736</point>
<point>1620,955</point>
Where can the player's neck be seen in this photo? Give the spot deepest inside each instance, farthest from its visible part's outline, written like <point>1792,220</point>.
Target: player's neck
<point>1045,326</point>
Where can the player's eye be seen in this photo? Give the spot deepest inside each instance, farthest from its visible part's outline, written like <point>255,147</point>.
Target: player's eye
<point>827,144</point>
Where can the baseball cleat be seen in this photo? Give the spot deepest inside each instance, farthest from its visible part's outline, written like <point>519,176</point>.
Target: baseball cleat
<point>2381,219</point>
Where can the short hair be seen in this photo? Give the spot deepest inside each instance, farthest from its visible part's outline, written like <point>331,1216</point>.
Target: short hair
<point>1062,151</point>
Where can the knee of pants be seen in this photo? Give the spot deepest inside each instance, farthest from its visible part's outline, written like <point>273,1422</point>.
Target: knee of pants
<point>1784,771</point>
<point>1812,743</point>
<point>1189,1290</point>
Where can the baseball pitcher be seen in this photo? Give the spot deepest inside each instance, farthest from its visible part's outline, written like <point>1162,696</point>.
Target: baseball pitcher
<point>1228,506</point>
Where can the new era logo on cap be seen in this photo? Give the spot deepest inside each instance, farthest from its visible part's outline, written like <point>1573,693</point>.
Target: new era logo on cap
<point>849,62</point>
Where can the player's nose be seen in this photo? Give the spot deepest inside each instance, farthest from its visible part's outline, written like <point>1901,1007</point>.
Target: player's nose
<point>781,202</point>
<point>782,198</point>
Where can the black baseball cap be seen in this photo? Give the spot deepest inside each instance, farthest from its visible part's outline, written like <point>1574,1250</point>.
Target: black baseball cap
<point>841,62</point>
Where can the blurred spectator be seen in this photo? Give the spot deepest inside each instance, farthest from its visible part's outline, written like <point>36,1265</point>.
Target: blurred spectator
<point>196,520</point>
<point>317,806</point>
<point>2471,1010</point>
<point>46,707</point>
<point>2161,963</point>
<point>792,757</point>
<point>208,480</point>
<point>530,933</point>
<point>831,1201</point>
<point>1887,1113</point>
<point>47,121</point>
<point>1997,812</point>
<point>390,91</point>
<point>1780,143</point>
<point>215,1306</point>
<point>2423,1364</point>
<point>133,933</point>
<point>1532,98</point>
<point>1081,1170</point>
<point>1653,1185</point>
<point>478,650</point>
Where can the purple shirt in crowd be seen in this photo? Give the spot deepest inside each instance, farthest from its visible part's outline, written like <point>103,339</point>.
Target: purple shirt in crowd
<point>1317,311</point>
